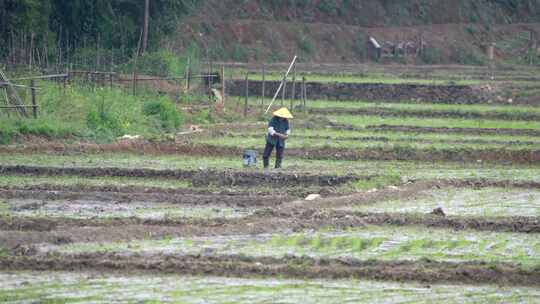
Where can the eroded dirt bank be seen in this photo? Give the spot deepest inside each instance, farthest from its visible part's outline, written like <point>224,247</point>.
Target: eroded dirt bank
<point>372,91</point>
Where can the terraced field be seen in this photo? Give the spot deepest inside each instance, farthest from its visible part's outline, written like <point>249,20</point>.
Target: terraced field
<point>418,203</point>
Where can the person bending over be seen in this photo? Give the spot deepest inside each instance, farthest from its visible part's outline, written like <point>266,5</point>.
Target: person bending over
<point>278,132</point>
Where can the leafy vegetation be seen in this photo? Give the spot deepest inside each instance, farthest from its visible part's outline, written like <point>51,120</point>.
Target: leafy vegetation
<point>99,114</point>
<point>70,25</point>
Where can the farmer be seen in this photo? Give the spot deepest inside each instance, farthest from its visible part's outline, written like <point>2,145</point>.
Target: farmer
<point>278,132</point>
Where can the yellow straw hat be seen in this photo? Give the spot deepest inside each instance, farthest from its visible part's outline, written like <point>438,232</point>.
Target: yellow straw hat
<point>283,113</point>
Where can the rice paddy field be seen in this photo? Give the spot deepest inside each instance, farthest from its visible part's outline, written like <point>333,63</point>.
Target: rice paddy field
<point>416,203</point>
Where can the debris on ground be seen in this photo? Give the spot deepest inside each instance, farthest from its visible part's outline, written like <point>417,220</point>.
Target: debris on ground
<point>438,211</point>
<point>312,197</point>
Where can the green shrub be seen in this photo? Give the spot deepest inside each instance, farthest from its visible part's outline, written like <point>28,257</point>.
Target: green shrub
<point>6,133</point>
<point>162,63</point>
<point>104,124</point>
<point>99,114</point>
<point>432,55</point>
<point>328,6</point>
<point>202,117</point>
<point>239,53</point>
<point>169,117</point>
<point>359,45</point>
<point>466,56</point>
<point>306,45</point>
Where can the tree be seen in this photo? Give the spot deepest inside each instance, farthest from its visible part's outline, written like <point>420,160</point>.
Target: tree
<point>145,25</point>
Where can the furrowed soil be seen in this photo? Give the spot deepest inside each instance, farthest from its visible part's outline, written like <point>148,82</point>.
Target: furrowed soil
<point>426,113</point>
<point>525,156</point>
<point>295,267</point>
<point>197,177</point>
<point>56,215</point>
<point>385,139</point>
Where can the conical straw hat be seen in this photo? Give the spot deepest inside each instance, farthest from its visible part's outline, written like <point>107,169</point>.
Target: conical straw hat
<point>283,113</point>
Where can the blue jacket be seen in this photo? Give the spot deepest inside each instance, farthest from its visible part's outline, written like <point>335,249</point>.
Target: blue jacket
<point>277,125</point>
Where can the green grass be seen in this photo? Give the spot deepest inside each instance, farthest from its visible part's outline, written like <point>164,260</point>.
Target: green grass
<point>310,143</point>
<point>98,114</point>
<point>348,78</point>
<point>364,121</point>
<point>462,108</point>
<point>331,135</point>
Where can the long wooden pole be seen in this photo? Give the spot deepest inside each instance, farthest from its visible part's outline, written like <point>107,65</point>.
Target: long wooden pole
<point>281,85</point>
<point>34,103</point>
<point>223,85</point>
<point>247,95</point>
<point>304,93</point>
<point>263,84</point>
<point>293,87</point>
<point>134,79</point>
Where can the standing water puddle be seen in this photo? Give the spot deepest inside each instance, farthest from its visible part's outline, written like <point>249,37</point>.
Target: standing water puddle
<point>386,243</point>
<point>84,209</point>
<point>30,287</point>
<point>462,201</point>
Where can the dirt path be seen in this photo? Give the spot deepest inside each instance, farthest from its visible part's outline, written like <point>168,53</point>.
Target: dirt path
<point>295,267</point>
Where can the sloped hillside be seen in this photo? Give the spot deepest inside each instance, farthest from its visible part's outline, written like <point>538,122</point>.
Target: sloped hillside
<point>337,31</point>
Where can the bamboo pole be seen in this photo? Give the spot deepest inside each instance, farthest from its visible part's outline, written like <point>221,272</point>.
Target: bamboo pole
<point>134,84</point>
<point>304,93</point>
<point>281,85</point>
<point>263,84</point>
<point>34,102</point>
<point>247,95</point>
<point>293,97</point>
<point>223,85</point>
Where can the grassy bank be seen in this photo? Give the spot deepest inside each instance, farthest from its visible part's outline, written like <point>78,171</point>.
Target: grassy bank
<point>97,114</point>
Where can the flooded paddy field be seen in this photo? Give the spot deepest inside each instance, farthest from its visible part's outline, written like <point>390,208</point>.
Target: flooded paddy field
<point>136,288</point>
<point>408,203</point>
<point>489,201</point>
<point>380,243</point>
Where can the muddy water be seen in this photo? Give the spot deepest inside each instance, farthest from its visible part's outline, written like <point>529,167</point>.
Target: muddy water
<point>29,287</point>
<point>383,243</point>
<point>462,201</point>
<point>85,209</point>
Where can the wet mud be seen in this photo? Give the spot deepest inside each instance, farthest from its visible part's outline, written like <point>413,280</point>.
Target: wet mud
<point>294,267</point>
<point>293,219</point>
<point>155,197</point>
<point>524,156</point>
<point>197,177</point>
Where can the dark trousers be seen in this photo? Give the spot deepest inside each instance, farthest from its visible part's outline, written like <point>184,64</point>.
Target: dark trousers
<point>268,151</point>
